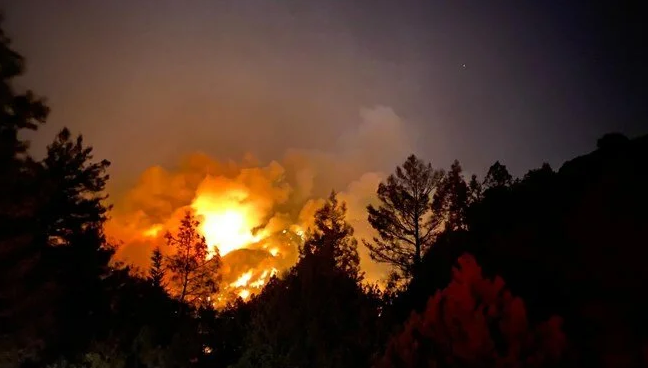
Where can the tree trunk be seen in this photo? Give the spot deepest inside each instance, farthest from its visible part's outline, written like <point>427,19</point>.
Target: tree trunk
<point>417,243</point>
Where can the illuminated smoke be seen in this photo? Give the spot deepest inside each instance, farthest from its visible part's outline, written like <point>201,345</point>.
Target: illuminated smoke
<point>257,214</point>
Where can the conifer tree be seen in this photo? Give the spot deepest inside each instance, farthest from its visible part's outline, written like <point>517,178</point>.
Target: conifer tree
<point>475,322</point>
<point>404,220</point>
<point>157,271</point>
<point>452,198</point>
<point>332,239</point>
<point>475,190</point>
<point>318,313</point>
<point>75,185</point>
<point>194,273</point>
<point>497,177</point>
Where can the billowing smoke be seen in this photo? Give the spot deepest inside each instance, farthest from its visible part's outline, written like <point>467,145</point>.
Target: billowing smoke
<point>255,212</point>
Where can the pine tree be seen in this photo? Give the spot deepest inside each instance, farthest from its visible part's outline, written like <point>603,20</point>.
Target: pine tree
<point>475,322</point>
<point>452,198</point>
<point>475,190</point>
<point>332,239</point>
<point>497,177</point>
<point>404,221</point>
<point>194,275</point>
<point>78,256</point>
<point>75,189</point>
<point>60,303</point>
<point>157,271</point>
<point>289,326</point>
<point>19,253</point>
<point>19,111</point>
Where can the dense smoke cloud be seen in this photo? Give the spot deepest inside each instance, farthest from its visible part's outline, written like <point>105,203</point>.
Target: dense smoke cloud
<point>273,197</point>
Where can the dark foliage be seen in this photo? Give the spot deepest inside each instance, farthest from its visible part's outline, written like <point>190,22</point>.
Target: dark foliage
<point>452,198</point>
<point>404,220</point>
<point>194,273</point>
<point>475,322</point>
<point>318,314</point>
<point>332,239</point>
<point>157,270</point>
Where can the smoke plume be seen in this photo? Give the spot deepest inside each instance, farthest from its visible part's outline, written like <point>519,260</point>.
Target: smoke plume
<point>256,212</point>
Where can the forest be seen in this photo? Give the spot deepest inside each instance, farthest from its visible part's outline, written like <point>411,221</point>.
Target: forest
<point>545,270</point>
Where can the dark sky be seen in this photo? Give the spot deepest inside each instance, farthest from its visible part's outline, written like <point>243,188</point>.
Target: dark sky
<point>148,80</point>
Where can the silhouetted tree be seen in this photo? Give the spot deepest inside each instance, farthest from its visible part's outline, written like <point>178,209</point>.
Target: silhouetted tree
<point>497,177</point>
<point>404,221</point>
<point>332,238</point>
<point>475,322</point>
<point>157,270</point>
<point>451,199</point>
<point>291,328</point>
<point>75,187</point>
<point>539,176</point>
<point>64,257</point>
<point>194,272</point>
<point>24,295</point>
<point>475,190</point>
<point>19,112</point>
<point>77,255</point>
<point>612,141</point>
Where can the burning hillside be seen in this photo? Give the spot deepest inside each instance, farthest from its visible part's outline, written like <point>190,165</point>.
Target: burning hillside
<point>255,215</point>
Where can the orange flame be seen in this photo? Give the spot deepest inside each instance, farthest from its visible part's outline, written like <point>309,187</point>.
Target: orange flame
<point>225,224</point>
<point>233,216</point>
<point>243,279</point>
<point>153,231</point>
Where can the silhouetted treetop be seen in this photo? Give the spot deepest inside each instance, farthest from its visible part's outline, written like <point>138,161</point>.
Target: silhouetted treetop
<point>612,141</point>
<point>19,111</point>
<point>318,313</point>
<point>157,269</point>
<point>452,198</point>
<point>332,238</point>
<point>75,188</point>
<point>404,220</point>
<point>497,177</point>
<point>194,273</point>
<point>475,322</point>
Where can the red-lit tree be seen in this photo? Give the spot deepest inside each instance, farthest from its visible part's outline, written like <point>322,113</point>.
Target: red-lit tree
<point>474,322</point>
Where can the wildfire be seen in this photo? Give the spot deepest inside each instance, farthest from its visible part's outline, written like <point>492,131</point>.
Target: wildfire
<point>244,285</point>
<point>242,280</point>
<point>233,215</point>
<point>153,231</point>
<point>227,223</point>
<point>244,294</point>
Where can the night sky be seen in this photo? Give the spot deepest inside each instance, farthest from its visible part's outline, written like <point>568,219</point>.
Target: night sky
<point>518,81</point>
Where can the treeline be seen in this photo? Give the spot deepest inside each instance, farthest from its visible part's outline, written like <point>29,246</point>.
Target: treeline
<point>546,270</point>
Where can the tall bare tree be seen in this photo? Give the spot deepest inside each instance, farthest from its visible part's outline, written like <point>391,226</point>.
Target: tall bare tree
<point>404,220</point>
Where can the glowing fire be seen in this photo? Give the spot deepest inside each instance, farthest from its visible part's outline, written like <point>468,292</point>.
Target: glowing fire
<point>153,231</point>
<point>244,285</point>
<point>243,280</point>
<point>244,294</point>
<point>225,223</point>
<point>227,216</point>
